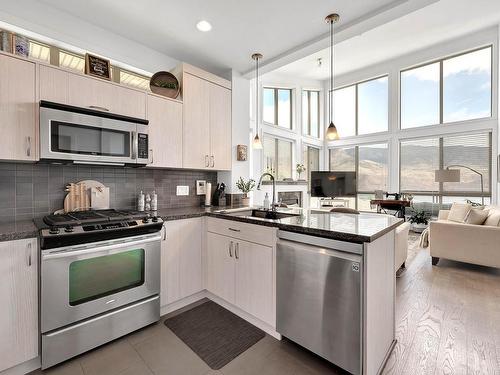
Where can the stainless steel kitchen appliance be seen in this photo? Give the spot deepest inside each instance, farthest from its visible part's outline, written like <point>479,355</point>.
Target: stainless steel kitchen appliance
<point>99,280</point>
<point>77,135</point>
<point>319,297</point>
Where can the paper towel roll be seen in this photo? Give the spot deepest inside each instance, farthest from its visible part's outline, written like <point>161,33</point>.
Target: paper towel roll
<point>208,194</point>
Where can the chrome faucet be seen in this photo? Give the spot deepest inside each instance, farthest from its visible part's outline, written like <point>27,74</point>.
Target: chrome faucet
<point>273,205</point>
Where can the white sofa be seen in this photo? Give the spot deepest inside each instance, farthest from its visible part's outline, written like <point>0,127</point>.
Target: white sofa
<point>476,244</point>
<point>401,245</point>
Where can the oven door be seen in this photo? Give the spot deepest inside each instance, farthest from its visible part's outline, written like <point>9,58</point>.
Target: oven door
<point>78,282</point>
<point>90,139</point>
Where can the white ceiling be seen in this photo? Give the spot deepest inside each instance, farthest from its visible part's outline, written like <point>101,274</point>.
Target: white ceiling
<point>438,22</point>
<point>240,28</point>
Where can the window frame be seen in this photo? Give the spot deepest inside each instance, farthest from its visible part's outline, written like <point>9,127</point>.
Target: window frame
<point>309,132</point>
<point>275,104</point>
<point>356,105</point>
<point>292,158</point>
<point>441,88</point>
<point>440,193</point>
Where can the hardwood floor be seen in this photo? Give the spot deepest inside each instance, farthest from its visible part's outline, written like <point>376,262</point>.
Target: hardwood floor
<point>447,318</point>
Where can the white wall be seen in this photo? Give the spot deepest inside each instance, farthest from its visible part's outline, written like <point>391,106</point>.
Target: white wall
<point>53,26</point>
<point>392,68</point>
<point>240,132</point>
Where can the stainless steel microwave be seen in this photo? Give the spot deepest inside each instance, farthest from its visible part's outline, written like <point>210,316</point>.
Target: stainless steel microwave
<point>77,135</point>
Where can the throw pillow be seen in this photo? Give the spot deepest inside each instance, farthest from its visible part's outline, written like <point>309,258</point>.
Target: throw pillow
<point>459,212</point>
<point>476,216</point>
<point>493,219</point>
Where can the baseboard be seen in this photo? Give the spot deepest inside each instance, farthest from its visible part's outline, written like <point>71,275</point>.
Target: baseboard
<point>244,315</point>
<point>167,309</point>
<point>23,368</point>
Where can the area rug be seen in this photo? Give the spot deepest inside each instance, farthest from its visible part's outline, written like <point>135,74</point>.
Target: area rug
<point>215,334</point>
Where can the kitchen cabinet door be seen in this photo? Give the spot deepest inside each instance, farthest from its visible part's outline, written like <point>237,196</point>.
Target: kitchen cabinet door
<point>220,127</point>
<point>254,280</point>
<point>128,102</point>
<point>196,129</point>
<point>19,308</point>
<point>165,132</point>
<point>181,264</point>
<point>53,84</point>
<point>220,266</point>
<point>17,109</point>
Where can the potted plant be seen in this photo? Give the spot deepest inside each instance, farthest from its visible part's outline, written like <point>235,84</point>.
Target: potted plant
<point>300,168</point>
<point>245,187</point>
<point>419,220</point>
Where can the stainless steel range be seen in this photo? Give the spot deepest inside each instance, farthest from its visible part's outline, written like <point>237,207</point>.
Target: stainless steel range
<point>100,279</point>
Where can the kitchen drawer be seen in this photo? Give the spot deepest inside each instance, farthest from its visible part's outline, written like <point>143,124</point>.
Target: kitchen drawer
<point>248,232</point>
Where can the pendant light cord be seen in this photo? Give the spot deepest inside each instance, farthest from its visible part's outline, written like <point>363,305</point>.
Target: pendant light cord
<point>331,73</point>
<point>257,96</point>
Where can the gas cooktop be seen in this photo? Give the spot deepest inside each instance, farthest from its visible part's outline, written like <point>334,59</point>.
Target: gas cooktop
<point>95,225</point>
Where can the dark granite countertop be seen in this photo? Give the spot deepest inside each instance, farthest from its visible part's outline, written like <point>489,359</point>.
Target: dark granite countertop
<point>365,227</point>
<point>18,230</point>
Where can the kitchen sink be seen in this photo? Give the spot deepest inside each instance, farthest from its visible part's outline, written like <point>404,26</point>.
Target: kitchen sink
<point>262,214</point>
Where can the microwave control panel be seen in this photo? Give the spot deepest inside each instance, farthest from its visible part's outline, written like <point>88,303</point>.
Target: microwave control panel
<point>142,146</point>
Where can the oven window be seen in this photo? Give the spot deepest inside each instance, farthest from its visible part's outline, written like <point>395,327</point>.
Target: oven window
<point>89,140</point>
<point>98,277</point>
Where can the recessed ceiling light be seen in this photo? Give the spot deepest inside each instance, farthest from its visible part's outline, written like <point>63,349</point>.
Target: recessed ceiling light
<point>204,26</point>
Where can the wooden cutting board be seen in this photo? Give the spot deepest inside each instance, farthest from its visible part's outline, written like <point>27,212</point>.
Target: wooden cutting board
<point>80,193</point>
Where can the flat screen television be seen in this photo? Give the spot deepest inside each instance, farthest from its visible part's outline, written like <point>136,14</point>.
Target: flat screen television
<point>333,184</point>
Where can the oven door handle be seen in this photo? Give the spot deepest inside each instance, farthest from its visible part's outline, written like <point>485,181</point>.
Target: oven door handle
<point>74,251</point>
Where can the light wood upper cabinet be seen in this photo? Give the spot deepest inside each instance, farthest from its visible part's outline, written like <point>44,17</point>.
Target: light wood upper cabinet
<point>60,86</point>
<point>220,127</point>
<point>17,109</point>
<point>165,132</point>
<point>196,129</point>
<point>19,307</point>
<point>207,124</point>
<point>181,263</point>
<point>53,84</point>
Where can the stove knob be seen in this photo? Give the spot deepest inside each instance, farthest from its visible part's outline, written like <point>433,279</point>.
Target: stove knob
<point>54,230</point>
<point>145,220</point>
<point>154,219</point>
<point>68,229</point>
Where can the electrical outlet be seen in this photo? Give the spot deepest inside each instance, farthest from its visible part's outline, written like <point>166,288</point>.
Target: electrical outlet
<point>182,190</point>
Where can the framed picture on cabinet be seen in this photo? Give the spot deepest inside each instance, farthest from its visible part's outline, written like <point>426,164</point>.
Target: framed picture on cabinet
<point>97,67</point>
<point>241,153</point>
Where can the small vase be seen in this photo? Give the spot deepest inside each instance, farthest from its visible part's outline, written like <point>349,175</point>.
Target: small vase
<point>245,201</point>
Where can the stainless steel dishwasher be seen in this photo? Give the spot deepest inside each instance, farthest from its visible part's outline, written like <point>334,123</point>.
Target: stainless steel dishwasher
<point>319,296</point>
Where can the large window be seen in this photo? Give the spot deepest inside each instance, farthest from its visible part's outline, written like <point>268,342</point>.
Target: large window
<point>310,113</point>
<point>370,162</point>
<point>421,157</point>
<point>277,157</point>
<point>310,159</point>
<point>277,107</point>
<point>465,93</point>
<point>362,108</point>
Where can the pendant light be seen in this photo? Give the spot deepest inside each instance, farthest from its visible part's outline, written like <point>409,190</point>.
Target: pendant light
<point>331,132</point>
<point>257,143</point>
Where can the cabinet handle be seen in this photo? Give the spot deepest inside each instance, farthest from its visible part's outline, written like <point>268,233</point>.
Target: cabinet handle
<point>98,108</point>
<point>207,163</point>
<point>164,231</point>
<point>28,250</point>
<point>231,249</point>
<point>213,161</point>
<point>234,230</point>
<point>28,149</point>
<point>237,251</point>
<point>152,156</point>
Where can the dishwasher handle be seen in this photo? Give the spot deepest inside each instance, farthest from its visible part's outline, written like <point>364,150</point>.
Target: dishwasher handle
<point>284,244</point>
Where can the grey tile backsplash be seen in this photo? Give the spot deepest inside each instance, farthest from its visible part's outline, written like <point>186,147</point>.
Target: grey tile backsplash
<point>34,190</point>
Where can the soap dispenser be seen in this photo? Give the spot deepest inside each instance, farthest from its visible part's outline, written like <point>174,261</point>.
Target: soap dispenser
<point>266,202</point>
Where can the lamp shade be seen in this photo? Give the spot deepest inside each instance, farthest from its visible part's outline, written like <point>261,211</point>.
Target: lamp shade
<point>447,175</point>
